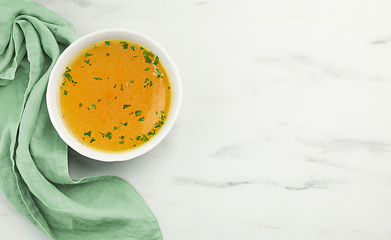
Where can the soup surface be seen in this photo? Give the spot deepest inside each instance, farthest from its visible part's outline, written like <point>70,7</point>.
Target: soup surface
<point>115,95</point>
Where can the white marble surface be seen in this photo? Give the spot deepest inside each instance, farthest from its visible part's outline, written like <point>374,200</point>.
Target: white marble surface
<point>285,127</point>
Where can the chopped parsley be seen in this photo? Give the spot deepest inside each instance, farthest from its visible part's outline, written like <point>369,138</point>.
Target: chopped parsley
<point>121,142</point>
<point>147,69</point>
<point>98,78</point>
<point>133,48</point>
<point>125,45</point>
<point>80,105</point>
<point>87,55</point>
<point>125,106</point>
<point>125,124</point>
<point>148,83</point>
<point>142,138</point>
<point>92,140</point>
<point>65,92</point>
<point>141,119</point>
<point>108,135</point>
<point>159,74</point>
<point>93,106</point>
<point>138,113</point>
<point>107,54</point>
<point>87,133</point>
<point>115,128</point>
<point>148,56</point>
<point>156,61</point>
<point>107,43</point>
<point>67,74</point>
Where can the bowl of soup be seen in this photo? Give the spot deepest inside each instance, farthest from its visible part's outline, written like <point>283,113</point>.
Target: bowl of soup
<point>114,95</point>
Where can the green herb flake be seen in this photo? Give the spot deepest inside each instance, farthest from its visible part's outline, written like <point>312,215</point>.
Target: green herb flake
<point>108,135</point>
<point>107,43</point>
<point>80,105</point>
<point>68,76</point>
<point>115,85</point>
<point>159,74</point>
<point>145,138</point>
<point>138,138</point>
<point>107,54</point>
<point>93,106</point>
<point>87,133</point>
<point>92,140</point>
<point>125,106</point>
<point>98,100</point>
<point>141,119</point>
<point>138,113</point>
<point>87,55</point>
<point>131,113</point>
<point>125,124</point>
<point>148,68</point>
<point>122,87</point>
<point>147,56</point>
<point>133,48</point>
<point>121,142</point>
<point>98,78</point>
<point>125,45</point>
<point>122,137</point>
<point>132,81</point>
<point>87,61</point>
<point>65,92</point>
<point>115,128</point>
<point>156,61</point>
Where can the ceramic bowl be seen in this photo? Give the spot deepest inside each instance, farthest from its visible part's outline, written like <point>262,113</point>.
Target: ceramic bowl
<point>52,95</point>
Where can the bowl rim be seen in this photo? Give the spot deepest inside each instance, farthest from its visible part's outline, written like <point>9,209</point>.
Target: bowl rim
<point>76,47</point>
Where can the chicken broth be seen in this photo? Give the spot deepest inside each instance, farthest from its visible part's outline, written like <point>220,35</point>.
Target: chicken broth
<point>115,96</point>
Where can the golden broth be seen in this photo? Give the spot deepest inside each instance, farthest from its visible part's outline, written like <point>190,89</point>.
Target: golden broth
<point>115,96</point>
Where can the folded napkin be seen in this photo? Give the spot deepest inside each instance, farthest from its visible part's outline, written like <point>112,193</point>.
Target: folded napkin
<point>33,159</point>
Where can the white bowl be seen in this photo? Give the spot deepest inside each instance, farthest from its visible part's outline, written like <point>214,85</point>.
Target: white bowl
<point>52,95</point>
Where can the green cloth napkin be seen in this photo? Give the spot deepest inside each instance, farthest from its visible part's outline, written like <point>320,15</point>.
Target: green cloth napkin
<point>33,159</point>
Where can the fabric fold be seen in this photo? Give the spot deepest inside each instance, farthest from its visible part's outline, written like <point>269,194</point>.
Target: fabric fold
<point>33,159</point>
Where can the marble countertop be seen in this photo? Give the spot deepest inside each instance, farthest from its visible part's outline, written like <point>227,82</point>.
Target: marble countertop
<point>285,125</point>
